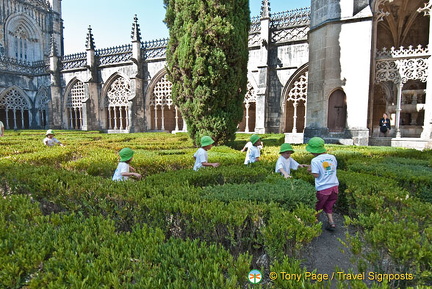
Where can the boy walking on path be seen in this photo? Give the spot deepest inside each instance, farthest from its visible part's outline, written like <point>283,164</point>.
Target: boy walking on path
<point>323,168</point>
<point>201,156</point>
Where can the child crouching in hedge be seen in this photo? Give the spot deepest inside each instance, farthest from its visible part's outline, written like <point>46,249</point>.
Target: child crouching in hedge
<point>285,162</point>
<point>201,156</point>
<point>323,168</point>
<point>124,170</point>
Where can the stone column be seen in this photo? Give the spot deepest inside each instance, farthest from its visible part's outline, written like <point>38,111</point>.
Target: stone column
<point>263,71</point>
<point>399,86</point>
<point>55,108</point>
<point>427,127</point>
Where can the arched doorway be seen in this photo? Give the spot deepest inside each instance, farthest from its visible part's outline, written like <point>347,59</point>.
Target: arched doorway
<point>337,111</point>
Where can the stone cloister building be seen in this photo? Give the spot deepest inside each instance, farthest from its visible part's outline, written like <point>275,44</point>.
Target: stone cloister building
<point>330,70</point>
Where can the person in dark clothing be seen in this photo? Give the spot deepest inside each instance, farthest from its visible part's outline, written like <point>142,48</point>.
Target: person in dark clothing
<point>384,125</point>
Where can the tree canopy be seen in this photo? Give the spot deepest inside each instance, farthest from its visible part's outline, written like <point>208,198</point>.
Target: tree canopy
<point>207,58</point>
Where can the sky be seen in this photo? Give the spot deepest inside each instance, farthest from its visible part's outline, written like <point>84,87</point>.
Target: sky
<point>111,22</point>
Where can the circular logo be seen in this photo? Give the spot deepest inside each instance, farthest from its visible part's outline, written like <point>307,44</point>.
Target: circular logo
<point>254,276</point>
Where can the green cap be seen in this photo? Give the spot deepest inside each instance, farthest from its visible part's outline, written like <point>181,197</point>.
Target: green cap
<point>316,145</point>
<point>126,154</point>
<point>206,140</point>
<point>50,131</point>
<point>254,138</point>
<point>286,147</point>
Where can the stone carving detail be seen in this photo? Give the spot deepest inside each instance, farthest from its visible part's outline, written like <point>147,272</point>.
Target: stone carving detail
<point>381,12</point>
<point>291,18</point>
<point>72,61</point>
<point>297,94</point>
<point>15,102</point>
<point>293,34</point>
<point>426,9</point>
<point>161,99</point>
<point>255,24</point>
<point>116,54</point>
<point>155,48</point>
<point>74,105</point>
<point>27,68</point>
<point>400,65</point>
<point>119,93</point>
<point>299,90</point>
<point>250,97</point>
<point>76,95</point>
<point>161,95</point>
<point>250,94</point>
<point>290,25</point>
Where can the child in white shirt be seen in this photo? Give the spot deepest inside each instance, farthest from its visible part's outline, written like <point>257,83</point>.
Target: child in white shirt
<point>285,162</point>
<point>201,156</point>
<point>124,170</point>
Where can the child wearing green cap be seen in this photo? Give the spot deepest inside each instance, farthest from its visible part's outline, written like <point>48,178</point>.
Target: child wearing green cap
<point>201,156</point>
<point>285,162</point>
<point>323,168</point>
<point>253,154</point>
<point>124,170</point>
<point>50,140</point>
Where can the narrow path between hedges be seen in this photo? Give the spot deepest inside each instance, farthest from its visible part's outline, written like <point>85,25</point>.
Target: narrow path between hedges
<point>326,254</point>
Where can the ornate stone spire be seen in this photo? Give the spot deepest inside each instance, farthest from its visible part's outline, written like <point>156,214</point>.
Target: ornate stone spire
<point>53,49</point>
<point>90,40</point>
<point>136,33</point>
<point>265,9</point>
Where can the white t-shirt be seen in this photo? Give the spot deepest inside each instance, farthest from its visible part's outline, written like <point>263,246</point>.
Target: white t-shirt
<point>50,141</point>
<point>248,145</point>
<point>254,153</point>
<point>286,164</point>
<point>200,156</point>
<point>122,167</point>
<point>325,166</point>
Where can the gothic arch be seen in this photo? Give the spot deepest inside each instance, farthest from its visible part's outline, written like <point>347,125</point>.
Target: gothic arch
<point>161,113</point>
<point>249,106</point>
<point>117,95</point>
<point>76,94</point>
<point>337,111</point>
<point>23,38</point>
<point>294,100</point>
<point>15,108</point>
<point>43,98</point>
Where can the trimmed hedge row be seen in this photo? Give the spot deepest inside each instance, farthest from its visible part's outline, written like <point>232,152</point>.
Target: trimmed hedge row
<point>64,195</point>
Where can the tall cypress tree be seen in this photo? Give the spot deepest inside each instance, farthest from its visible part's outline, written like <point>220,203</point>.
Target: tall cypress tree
<point>207,58</point>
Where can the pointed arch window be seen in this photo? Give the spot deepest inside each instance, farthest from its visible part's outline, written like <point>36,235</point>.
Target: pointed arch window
<point>22,37</point>
<point>42,107</point>
<point>74,105</point>
<point>15,110</point>
<point>165,115</point>
<point>116,104</point>
<point>296,104</point>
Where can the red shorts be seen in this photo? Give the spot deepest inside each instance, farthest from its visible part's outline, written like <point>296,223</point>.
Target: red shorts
<point>326,199</point>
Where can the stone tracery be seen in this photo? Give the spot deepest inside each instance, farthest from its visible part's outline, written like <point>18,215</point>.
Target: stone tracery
<point>116,103</point>
<point>74,105</point>
<point>16,108</point>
